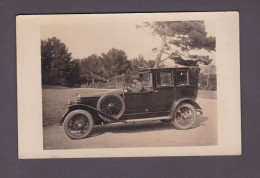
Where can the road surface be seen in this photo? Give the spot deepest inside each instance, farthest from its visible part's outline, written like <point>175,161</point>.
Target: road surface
<point>142,134</point>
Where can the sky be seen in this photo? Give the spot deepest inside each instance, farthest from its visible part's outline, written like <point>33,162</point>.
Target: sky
<point>83,40</point>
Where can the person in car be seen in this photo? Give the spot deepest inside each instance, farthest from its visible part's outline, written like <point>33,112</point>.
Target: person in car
<point>137,85</point>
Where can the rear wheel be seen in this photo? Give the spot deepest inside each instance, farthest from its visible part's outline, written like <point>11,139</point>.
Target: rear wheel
<point>184,116</point>
<point>78,124</point>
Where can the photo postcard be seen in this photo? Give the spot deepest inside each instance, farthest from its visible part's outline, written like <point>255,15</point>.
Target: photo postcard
<point>128,85</point>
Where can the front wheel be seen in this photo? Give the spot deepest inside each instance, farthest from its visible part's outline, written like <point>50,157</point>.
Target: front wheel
<point>78,124</point>
<point>184,116</point>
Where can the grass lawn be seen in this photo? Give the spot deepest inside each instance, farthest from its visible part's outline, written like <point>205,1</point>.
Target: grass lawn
<point>55,102</point>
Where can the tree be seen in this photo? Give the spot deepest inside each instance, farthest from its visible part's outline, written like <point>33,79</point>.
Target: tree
<point>208,74</point>
<point>135,65</point>
<point>74,78</point>
<point>56,62</point>
<point>178,38</point>
<point>90,67</point>
<point>114,62</point>
<point>139,62</point>
<point>103,67</point>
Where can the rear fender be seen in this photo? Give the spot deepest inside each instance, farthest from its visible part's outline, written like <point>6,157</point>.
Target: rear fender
<point>176,103</point>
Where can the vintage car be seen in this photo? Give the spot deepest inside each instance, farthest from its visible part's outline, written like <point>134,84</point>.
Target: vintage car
<point>168,95</point>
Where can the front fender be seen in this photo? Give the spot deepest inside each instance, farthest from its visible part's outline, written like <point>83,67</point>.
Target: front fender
<point>88,108</point>
<point>75,107</point>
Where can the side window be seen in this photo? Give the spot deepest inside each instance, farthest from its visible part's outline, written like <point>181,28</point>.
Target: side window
<point>164,79</point>
<point>181,77</point>
<point>147,80</point>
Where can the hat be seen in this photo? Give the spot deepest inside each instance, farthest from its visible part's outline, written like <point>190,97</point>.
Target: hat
<point>135,81</point>
<point>136,77</point>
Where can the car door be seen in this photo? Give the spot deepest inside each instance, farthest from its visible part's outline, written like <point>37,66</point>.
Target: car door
<point>140,102</point>
<point>137,102</point>
<point>163,94</point>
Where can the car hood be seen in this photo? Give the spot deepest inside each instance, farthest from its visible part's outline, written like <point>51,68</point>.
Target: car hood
<point>96,92</point>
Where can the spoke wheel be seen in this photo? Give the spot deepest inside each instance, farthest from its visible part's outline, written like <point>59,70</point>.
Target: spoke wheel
<point>78,124</point>
<point>184,117</point>
<point>112,105</point>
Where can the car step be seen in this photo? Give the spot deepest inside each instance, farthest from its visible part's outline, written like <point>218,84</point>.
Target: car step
<point>148,119</point>
<point>199,111</point>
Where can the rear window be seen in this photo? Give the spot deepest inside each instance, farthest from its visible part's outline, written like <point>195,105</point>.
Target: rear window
<point>181,77</point>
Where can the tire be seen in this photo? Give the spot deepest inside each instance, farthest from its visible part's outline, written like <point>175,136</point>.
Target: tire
<point>184,116</point>
<point>75,121</point>
<point>113,105</point>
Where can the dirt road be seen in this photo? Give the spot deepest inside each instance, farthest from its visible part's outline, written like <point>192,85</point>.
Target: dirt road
<point>142,134</point>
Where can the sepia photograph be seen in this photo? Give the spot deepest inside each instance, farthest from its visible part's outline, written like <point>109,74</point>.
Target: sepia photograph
<point>129,84</point>
<point>122,81</point>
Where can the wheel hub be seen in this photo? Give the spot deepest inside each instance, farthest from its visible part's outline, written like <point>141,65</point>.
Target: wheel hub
<point>186,115</point>
<point>111,105</point>
<point>79,125</point>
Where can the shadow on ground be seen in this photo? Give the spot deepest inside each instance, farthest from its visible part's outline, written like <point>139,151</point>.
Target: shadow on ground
<point>199,121</point>
<point>141,127</point>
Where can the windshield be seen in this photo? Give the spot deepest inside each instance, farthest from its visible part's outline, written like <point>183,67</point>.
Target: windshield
<point>116,82</point>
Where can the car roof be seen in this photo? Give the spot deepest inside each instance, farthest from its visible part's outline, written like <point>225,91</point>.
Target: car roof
<point>163,69</point>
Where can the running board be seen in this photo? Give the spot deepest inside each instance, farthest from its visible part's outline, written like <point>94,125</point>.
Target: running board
<point>148,119</point>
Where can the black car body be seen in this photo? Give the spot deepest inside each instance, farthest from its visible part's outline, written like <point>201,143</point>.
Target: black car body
<point>169,94</point>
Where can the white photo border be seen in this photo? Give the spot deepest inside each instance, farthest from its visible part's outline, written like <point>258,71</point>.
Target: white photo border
<point>29,89</point>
